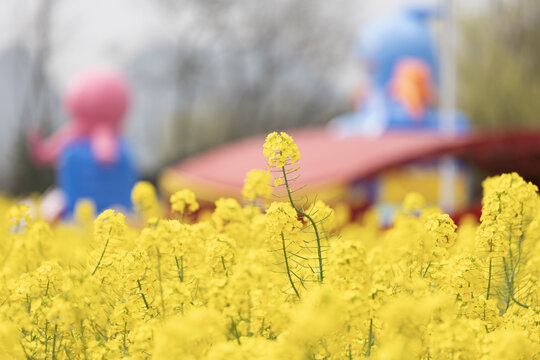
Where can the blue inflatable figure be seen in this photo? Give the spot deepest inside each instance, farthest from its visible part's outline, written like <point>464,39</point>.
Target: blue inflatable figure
<point>91,159</point>
<point>80,176</point>
<point>401,59</point>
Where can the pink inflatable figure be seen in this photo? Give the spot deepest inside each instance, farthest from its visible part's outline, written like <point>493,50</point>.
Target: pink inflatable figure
<point>90,157</point>
<point>96,103</point>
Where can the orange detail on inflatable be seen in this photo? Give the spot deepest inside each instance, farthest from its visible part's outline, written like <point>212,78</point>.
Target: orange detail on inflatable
<point>412,86</point>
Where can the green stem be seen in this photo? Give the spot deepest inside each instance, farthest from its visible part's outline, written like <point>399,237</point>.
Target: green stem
<point>24,350</point>
<point>287,266</point>
<point>224,267</point>
<point>66,351</point>
<point>83,341</point>
<point>160,281</point>
<point>142,294</point>
<point>515,265</point>
<point>489,272</point>
<point>510,286</point>
<point>234,331</point>
<point>425,271</point>
<point>519,303</point>
<point>262,328</point>
<point>304,214</point>
<point>370,337</point>
<point>489,278</point>
<point>102,254</point>
<point>53,356</point>
<point>180,267</point>
<point>124,342</point>
<point>28,304</point>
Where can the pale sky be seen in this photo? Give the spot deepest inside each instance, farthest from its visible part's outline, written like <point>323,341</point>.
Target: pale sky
<point>103,32</point>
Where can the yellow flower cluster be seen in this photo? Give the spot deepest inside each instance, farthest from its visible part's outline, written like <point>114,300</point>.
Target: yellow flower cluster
<point>182,199</point>
<point>257,185</point>
<point>282,219</point>
<point>18,216</point>
<point>413,202</point>
<point>144,199</point>
<point>85,212</point>
<point>244,283</point>
<point>280,150</point>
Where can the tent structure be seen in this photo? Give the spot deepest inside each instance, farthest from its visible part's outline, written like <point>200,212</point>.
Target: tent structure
<point>330,161</point>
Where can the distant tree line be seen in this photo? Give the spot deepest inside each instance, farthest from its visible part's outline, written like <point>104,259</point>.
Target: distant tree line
<point>499,66</point>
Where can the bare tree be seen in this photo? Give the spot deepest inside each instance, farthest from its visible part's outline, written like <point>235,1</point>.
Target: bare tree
<point>36,109</point>
<point>273,64</point>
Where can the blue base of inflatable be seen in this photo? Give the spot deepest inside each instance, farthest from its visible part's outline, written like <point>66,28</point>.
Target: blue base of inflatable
<point>80,176</point>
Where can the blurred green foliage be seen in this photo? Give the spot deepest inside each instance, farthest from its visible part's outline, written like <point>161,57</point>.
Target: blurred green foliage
<point>499,66</point>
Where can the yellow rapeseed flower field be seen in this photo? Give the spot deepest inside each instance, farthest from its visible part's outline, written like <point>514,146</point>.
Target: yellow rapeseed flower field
<point>273,280</point>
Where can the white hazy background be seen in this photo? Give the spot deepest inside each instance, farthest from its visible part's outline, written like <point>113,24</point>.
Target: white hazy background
<point>203,72</point>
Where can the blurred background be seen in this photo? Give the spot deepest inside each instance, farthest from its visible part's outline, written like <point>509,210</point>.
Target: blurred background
<point>205,72</point>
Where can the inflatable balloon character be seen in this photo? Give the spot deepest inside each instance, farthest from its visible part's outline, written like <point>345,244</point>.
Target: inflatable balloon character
<point>400,58</point>
<point>401,99</point>
<point>91,159</point>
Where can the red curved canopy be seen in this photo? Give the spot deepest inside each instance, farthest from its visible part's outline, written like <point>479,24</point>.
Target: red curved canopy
<point>328,158</point>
